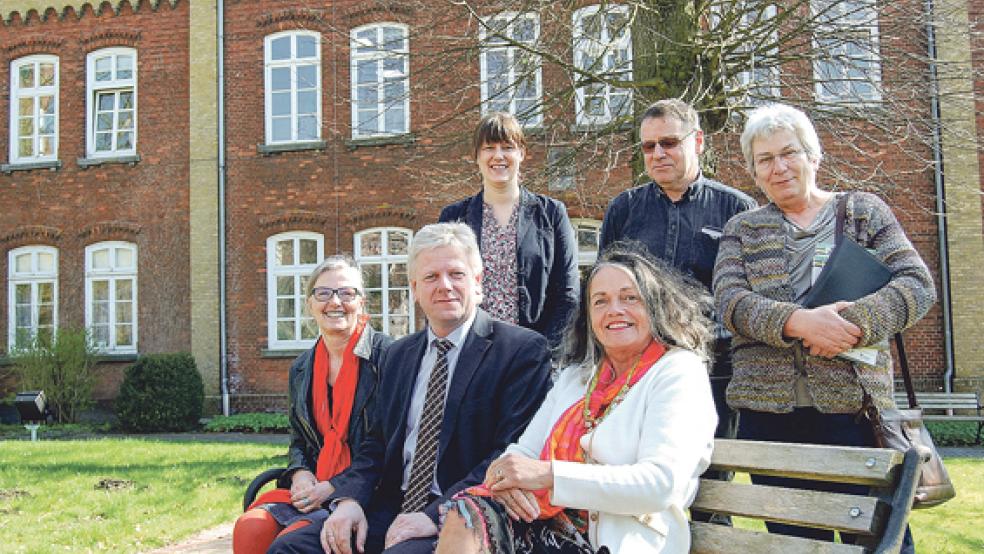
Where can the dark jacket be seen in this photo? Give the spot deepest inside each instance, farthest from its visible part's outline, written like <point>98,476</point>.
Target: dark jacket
<point>305,439</point>
<point>546,260</point>
<point>499,381</point>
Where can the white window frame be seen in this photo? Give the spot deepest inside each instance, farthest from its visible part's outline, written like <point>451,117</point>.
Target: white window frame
<point>293,63</point>
<point>385,260</point>
<point>299,272</point>
<point>586,257</point>
<point>34,277</point>
<point>841,23</point>
<point>116,86</point>
<point>490,33</point>
<point>114,275</point>
<point>35,93</point>
<point>380,56</point>
<point>621,47</point>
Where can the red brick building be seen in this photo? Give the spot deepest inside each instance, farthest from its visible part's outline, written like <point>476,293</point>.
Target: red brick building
<point>127,203</point>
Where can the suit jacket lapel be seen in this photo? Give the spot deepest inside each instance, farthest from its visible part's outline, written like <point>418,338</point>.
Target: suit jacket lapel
<point>525,229</point>
<point>403,391</point>
<point>470,359</point>
<point>473,216</point>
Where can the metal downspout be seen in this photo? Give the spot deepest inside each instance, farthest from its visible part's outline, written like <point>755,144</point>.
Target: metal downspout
<point>223,343</point>
<point>948,375</point>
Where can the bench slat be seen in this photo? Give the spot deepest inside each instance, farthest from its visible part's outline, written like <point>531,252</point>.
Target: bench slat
<point>864,466</point>
<point>825,510</point>
<point>708,538</point>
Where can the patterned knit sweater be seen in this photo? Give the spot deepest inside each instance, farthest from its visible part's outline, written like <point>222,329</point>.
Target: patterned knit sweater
<point>754,296</point>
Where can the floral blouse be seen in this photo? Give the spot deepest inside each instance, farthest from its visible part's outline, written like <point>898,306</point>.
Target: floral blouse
<point>500,281</point>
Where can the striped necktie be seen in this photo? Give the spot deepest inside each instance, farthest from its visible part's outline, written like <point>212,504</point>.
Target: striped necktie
<point>428,432</point>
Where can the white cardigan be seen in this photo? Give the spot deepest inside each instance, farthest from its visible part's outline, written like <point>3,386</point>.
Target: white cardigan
<point>646,455</point>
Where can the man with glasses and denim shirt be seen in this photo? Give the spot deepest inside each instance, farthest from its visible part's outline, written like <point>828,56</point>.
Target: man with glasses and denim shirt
<point>679,216</point>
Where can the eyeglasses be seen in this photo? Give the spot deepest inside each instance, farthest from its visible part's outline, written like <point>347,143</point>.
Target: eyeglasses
<point>666,144</point>
<point>767,161</point>
<point>345,294</point>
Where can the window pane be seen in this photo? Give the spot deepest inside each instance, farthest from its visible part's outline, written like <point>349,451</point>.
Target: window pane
<point>124,312</point>
<point>47,146</point>
<point>309,251</point>
<point>25,107</point>
<point>374,302</point>
<point>100,258</point>
<point>307,128</point>
<point>309,329</point>
<point>100,312</point>
<point>124,140</point>
<point>104,142</point>
<point>124,335</point>
<point>47,125</point>
<point>23,263</point>
<point>25,127</point>
<point>372,276</point>
<point>22,293</point>
<point>366,71</point>
<point>126,119</point>
<point>307,76</point>
<point>22,315</point>
<point>398,275</point>
<point>285,252</point>
<point>126,100</point>
<point>399,326</point>
<point>399,302</point>
<point>124,67</point>
<point>285,307</point>
<point>307,102</point>
<point>393,38</point>
<point>27,76</point>
<point>124,289</point>
<point>280,103</point>
<point>280,48</point>
<point>280,78</point>
<point>104,122</point>
<point>100,334</point>
<point>370,244</point>
<point>105,102</point>
<point>124,258</point>
<point>285,286</point>
<point>46,104</point>
<point>46,315</point>
<point>25,147</point>
<point>285,330</point>
<point>46,293</point>
<point>394,120</point>
<point>306,47</point>
<point>104,68</point>
<point>281,129</point>
<point>100,291</point>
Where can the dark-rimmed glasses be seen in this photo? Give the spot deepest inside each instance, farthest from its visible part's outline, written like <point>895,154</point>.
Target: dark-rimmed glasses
<point>666,143</point>
<point>345,294</point>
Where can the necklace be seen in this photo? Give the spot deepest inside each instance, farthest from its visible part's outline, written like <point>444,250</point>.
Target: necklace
<point>590,422</point>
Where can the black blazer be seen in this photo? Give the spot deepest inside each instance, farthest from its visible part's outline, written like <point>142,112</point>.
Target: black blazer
<point>545,259</point>
<point>305,439</point>
<point>499,381</point>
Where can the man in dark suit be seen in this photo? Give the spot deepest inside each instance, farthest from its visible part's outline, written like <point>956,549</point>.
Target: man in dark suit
<point>451,398</point>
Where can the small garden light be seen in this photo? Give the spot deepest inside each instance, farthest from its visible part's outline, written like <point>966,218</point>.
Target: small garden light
<point>32,407</point>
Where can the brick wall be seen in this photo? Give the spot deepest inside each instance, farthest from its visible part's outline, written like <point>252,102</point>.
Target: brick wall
<point>145,203</point>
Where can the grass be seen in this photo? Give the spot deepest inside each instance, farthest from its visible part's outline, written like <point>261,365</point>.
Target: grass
<point>121,495</point>
<point>954,527</point>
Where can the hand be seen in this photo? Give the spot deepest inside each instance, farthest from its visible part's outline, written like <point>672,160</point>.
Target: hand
<point>336,535</point>
<point>519,504</point>
<point>311,498</point>
<point>515,471</point>
<point>410,526</point>
<point>823,330</point>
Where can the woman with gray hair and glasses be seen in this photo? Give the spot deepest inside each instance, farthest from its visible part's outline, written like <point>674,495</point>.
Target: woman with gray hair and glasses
<point>794,377</point>
<point>612,457</point>
<point>331,393</point>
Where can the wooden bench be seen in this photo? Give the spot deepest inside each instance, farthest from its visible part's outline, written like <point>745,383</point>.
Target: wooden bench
<point>878,519</point>
<point>947,402</point>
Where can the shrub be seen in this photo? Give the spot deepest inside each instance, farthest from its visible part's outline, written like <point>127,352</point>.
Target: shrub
<point>161,392</point>
<point>953,433</point>
<point>249,422</point>
<point>61,366</point>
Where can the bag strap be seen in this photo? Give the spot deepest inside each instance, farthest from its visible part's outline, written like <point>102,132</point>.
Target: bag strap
<point>899,342</point>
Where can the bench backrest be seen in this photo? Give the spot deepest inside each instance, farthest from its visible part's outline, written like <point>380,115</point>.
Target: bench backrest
<point>942,400</point>
<point>878,519</point>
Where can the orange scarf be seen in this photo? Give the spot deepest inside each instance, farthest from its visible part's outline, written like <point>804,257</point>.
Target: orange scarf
<point>564,442</point>
<point>335,455</point>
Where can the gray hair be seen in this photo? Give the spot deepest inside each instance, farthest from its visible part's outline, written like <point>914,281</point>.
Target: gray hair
<point>676,305</point>
<point>770,118</point>
<point>437,235</point>
<point>332,263</point>
<point>675,108</point>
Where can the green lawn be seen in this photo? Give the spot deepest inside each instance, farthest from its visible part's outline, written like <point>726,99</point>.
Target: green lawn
<point>121,495</point>
<point>133,495</point>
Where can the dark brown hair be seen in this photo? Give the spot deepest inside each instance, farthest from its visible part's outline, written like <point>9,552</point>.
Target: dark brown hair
<point>498,127</point>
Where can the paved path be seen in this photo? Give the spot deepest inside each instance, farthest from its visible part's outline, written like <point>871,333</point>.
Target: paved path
<point>211,541</point>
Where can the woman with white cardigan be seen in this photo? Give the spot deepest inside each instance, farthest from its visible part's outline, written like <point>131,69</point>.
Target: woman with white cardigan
<point>612,457</point>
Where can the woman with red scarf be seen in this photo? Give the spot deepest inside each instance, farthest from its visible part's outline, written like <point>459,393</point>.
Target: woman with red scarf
<point>612,457</point>
<point>332,389</point>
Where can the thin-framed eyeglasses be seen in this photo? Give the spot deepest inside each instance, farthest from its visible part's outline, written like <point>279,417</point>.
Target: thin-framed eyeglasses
<point>766,161</point>
<point>665,143</point>
<point>345,294</point>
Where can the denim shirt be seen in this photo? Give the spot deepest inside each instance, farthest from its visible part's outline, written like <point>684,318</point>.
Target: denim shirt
<point>684,233</point>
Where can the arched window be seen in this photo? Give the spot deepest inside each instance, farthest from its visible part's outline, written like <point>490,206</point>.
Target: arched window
<point>603,46</point>
<point>32,294</point>
<point>380,80</point>
<point>292,76</point>
<point>381,254</point>
<point>512,79</point>
<point>290,259</point>
<point>111,295</point>
<point>34,109</point>
<point>111,99</point>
